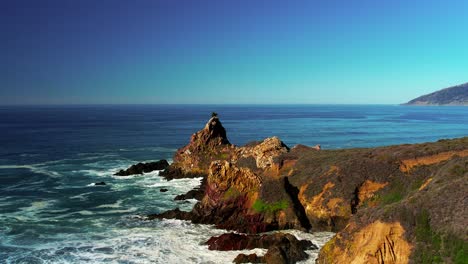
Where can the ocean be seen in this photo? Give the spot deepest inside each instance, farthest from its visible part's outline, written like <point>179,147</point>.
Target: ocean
<point>51,156</point>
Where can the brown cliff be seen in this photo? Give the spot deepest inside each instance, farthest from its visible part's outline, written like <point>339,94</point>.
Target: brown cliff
<point>391,202</point>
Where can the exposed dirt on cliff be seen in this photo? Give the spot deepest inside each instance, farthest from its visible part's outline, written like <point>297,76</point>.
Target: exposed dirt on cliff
<point>408,164</point>
<point>377,243</point>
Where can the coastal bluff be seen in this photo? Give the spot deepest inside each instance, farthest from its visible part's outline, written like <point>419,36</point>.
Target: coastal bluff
<point>395,204</point>
<point>455,95</point>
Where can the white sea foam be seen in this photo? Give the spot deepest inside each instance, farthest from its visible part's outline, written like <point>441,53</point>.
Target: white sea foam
<point>113,205</point>
<point>134,240</point>
<point>95,184</point>
<point>108,212</point>
<point>97,172</point>
<point>81,196</point>
<point>112,163</point>
<point>29,155</point>
<point>85,212</point>
<point>166,241</point>
<point>34,168</point>
<point>159,149</point>
<point>30,213</point>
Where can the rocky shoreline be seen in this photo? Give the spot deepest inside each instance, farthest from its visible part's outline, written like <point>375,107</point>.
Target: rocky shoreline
<point>381,201</point>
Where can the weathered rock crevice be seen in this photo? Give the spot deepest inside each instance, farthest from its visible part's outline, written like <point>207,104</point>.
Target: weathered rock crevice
<point>355,200</point>
<point>299,209</point>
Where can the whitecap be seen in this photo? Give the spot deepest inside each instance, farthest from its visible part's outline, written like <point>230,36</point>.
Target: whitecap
<point>30,155</point>
<point>96,184</point>
<point>32,168</point>
<point>85,212</point>
<point>99,173</point>
<point>113,205</point>
<point>81,196</point>
<point>158,149</point>
<point>30,213</point>
<point>125,177</point>
<point>129,210</point>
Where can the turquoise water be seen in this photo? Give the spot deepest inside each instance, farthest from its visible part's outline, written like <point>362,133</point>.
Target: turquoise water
<point>51,155</point>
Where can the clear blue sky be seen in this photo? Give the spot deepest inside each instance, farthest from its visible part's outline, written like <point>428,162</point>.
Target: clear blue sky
<point>186,51</point>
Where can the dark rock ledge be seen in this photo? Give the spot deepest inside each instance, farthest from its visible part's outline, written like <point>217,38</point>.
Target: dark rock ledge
<point>282,247</point>
<point>141,168</point>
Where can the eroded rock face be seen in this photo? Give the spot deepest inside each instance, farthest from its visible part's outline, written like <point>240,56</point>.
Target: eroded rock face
<point>379,242</point>
<point>250,202</point>
<point>265,152</point>
<point>326,209</point>
<point>408,164</point>
<point>230,193</point>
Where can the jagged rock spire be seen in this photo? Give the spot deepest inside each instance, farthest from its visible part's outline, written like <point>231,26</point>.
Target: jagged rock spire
<point>213,134</point>
<point>204,143</point>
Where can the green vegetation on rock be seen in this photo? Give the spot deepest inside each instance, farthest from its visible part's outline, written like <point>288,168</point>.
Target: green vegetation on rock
<point>262,207</point>
<point>458,170</point>
<point>435,247</point>
<point>231,193</point>
<point>395,193</point>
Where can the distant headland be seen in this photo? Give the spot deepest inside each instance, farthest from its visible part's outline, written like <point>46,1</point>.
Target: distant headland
<point>455,95</point>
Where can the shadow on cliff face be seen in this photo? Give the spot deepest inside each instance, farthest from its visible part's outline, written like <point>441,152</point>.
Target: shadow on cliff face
<point>293,193</point>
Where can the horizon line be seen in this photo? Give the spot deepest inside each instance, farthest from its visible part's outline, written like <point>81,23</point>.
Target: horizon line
<point>200,104</point>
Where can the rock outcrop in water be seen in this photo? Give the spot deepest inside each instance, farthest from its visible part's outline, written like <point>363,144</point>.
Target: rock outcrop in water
<point>282,248</point>
<point>141,168</point>
<point>390,203</point>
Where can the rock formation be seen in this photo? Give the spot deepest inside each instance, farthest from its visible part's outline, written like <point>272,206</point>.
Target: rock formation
<point>282,248</point>
<point>391,203</point>
<point>141,168</point>
<point>206,145</point>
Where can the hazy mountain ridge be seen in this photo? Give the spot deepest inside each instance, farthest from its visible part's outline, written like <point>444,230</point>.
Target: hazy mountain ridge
<point>455,95</point>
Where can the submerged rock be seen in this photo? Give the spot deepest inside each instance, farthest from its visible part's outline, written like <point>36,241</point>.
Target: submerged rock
<point>141,168</point>
<point>99,183</point>
<point>163,190</point>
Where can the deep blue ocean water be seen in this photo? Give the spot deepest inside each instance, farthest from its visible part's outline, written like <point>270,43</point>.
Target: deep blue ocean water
<point>50,212</point>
